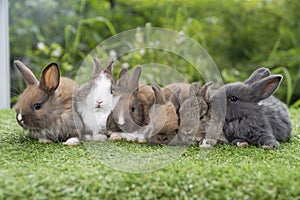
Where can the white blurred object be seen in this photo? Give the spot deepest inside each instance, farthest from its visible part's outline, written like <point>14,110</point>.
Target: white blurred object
<point>4,56</point>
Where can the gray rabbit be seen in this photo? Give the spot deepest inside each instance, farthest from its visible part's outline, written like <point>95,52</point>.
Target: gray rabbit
<point>253,116</point>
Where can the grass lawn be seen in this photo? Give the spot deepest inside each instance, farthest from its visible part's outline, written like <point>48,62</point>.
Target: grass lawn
<point>30,170</point>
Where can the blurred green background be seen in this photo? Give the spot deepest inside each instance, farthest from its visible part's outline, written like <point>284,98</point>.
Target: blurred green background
<point>239,35</point>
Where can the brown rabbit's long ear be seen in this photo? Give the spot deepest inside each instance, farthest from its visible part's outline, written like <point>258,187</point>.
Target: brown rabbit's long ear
<point>109,67</point>
<point>133,81</point>
<point>50,78</point>
<point>204,92</point>
<point>258,75</point>
<point>159,95</point>
<point>174,98</point>
<point>265,87</point>
<point>27,74</point>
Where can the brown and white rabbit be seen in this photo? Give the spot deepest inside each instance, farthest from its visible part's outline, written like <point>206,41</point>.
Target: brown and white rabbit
<point>253,116</point>
<point>163,121</point>
<point>131,112</point>
<point>94,101</point>
<point>45,106</point>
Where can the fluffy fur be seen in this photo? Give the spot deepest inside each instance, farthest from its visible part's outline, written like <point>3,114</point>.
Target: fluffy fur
<point>193,113</point>
<point>163,117</point>
<point>253,116</point>
<point>94,101</point>
<point>45,106</point>
<point>134,102</point>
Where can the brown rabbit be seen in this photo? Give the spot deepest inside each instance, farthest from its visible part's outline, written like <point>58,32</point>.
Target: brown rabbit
<point>45,107</point>
<point>164,118</point>
<point>132,110</point>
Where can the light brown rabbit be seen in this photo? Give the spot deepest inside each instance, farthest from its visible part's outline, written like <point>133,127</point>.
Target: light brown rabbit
<point>163,117</point>
<point>45,106</point>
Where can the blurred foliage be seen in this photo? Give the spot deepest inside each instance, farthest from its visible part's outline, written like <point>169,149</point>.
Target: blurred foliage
<point>239,35</point>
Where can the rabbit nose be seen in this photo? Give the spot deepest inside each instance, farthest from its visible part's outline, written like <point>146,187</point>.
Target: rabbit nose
<point>99,103</point>
<point>188,131</point>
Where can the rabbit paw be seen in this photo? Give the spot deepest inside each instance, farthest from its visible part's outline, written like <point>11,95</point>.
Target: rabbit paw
<point>142,140</point>
<point>242,144</point>
<point>129,137</point>
<point>271,145</point>
<point>208,143</point>
<point>72,141</point>
<point>115,137</point>
<point>99,137</point>
<point>44,140</point>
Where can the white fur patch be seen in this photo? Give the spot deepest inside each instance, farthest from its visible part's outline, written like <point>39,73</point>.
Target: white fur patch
<point>205,144</point>
<point>121,120</point>
<point>19,117</point>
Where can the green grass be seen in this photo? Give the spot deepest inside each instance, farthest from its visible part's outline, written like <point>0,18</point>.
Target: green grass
<point>31,170</point>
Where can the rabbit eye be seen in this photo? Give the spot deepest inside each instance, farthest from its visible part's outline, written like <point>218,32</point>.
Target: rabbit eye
<point>233,99</point>
<point>37,106</point>
<point>132,109</point>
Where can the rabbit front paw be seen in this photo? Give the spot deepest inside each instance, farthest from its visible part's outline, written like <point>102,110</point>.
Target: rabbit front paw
<point>242,144</point>
<point>115,137</point>
<point>270,145</point>
<point>44,140</point>
<point>72,141</point>
<point>208,143</point>
<point>99,137</point>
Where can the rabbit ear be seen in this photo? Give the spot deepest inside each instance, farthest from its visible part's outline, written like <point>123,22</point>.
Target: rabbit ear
<point>27,74</point>
<point>50,78</point>
<point>194,89</point>
<point>108,68</point>
<point>97,67</point>
<point>123,72</point>
<point>204,91</point>
<point>133,81</point>
<point>258,75</point>
<point>123,76</point>
<point>265,87</point>
<point>159,95</point>
<point>174,98</point>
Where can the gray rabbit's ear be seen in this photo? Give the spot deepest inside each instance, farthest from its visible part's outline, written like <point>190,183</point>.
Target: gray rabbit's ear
<point>265,87</point>
<point>159,95</point>
<point>97,66</point>
<point>133,81</point>
<point>123,76</point>
<point>174,98</point>
<point>27,74</point>
<point>194,89</point>
<point>205,91</point>
<point>123,72</point>
<point>258,75</point>
<point>50,78</point>
<point>109,67</point>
